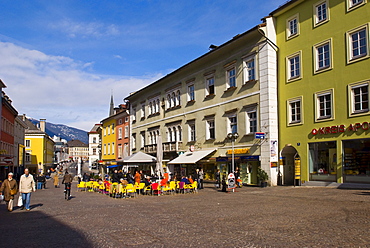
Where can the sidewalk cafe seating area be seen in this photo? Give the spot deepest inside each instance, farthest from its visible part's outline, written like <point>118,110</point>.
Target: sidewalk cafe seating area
<point>118,190</point>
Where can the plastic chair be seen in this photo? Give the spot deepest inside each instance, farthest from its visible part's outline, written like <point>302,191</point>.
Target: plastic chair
<point>130,190</point>
<point>156,189</point>
<point>81,185</point>
<point>148,189</point>
<point>139,187</point>
<point>181,188</point>
<point>89,186</point>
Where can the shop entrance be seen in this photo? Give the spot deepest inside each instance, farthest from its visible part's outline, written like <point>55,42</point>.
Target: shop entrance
<point>356,161</point>
<point>323,161</point>
<point>289,153</point>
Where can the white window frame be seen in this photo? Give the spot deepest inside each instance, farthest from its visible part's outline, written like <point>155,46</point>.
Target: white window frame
<point>230,123</point>
<point>113,148</point>
<point>119,121</point>
<point>120,133</point>
<point>247,69</point>
<point>288,66</point>
<point>289,34</point>
<point>108,147</point>
<point>192,132</point>
<point>143,110</point>
<point>142,139</point>
<point>229,77</point>
<point>29,143</point>
<point>126,131</point>
<point>191,94</point>
<point>351,6</point>
<point>318,95</point>
<point>351,88</point>
<point>208,80</point>
<point>316,10</point>
<point>108,130</point>
<point>119,148</point>
<point>350,57</point>
<point>209,127</point>
<point>133,114</point>
<point>113,128</point>
<point>289,111</point>
<point>250,110</point>
<point>317,59</point>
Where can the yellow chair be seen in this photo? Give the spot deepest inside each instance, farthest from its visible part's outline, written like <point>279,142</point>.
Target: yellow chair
<point>139,187</point>
<point>95,186</point>
<point>130,190</point>
<point>101,188</point>
<point>81,185</point>
<point>89,186</point>
<point>147,189</point>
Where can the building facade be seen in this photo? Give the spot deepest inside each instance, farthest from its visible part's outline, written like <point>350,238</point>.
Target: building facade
<point>229,90</point>
<point>122,132</point>
<point>108,140</point>
<point>94,145</point>
<point>39,147</point>
<point>78,151</point>
<point>19,148</point>
<point>324,90</point>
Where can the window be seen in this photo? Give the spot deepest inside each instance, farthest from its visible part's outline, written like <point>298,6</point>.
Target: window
<point>294,67</point>
<point>324,105</point>
<point>252,120</point>
<point>231,77</point>
<point>295,111</point>
<point>142,135</point>
<point>112,128</point>
<point>358,44</point>
<point>210,129</point>
<point>352,4</point>
<point>28,157</point>
<point>126,131</point>
<point>94,151</point>
<point>179,133</point>
<point>125,150</point>
<point>249,70</point>
<point>133,114</point>
<point>108,130</point>
<point>210,86</point>
<point>143,110</point>
<point>105,149</point>
<point>169,102</point>
<point>120,133</point>
<point>28,143</point>
<point>126,119</point>
<point>233,124</point>
<point>133,141</point>
<point>322,56</point>
<point>360,98</point>
<point>321,12</point>
<point>108,146</point>
<point>113,148</point>
<point>94,140</point>
<point>178,98</point>
<point>292,27</point>
<point>191,93</point>
<point>192,131</point>
<point>120,121</point>
<point>119,150</point>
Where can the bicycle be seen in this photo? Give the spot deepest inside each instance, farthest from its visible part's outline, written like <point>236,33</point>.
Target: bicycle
<point>67,191</point>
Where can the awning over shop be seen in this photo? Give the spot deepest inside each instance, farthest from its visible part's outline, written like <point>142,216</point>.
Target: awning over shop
<point>191,157</point>
<point>113,166</point>
<point>139,157</point>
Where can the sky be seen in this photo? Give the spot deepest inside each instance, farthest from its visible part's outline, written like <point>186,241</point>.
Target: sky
<point>61,60</point>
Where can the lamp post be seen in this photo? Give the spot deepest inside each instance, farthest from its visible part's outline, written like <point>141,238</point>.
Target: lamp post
<point>233,137</point>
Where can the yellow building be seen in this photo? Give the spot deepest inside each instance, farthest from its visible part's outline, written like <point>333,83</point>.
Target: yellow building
<point>108,140</point>
<point>323,85</point>
<point>39,148</point>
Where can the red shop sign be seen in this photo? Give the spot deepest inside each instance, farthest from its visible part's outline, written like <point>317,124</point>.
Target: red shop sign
<point>340,128</point>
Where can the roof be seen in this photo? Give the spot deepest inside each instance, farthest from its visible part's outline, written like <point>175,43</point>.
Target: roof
<point>191,157</point>
<point>76,143</point>
<point>139,157</point>
<point>236,37</point>
<point>95,128</point>
<point>288,4</point>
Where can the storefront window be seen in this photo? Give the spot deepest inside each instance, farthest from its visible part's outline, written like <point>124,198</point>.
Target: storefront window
<point>323,161</point>
<point>356,161</point>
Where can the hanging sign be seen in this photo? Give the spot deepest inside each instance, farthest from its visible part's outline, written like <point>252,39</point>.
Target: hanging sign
<point>259,135</point>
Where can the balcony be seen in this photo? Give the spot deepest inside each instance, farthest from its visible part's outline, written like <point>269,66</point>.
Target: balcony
<point>167,147</point>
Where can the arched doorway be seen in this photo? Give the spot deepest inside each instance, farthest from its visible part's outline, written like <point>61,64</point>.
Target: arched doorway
<point>289,153</point>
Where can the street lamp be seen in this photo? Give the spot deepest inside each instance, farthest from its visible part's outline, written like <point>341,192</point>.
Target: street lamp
<point>233,137</point>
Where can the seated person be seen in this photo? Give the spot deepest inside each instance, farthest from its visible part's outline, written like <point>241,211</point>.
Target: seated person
<point>147,181</point>
<point>123,182</point>
<point>191,180</point>
<point>185,180</point>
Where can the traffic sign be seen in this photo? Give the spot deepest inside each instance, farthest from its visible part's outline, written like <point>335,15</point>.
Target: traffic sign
<point>259,135</point>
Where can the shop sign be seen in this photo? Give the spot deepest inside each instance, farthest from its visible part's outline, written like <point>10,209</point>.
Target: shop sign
<point>231,181</point>
<point>3,151</point>
<point>297,168</point>
<point>251,158</point>
<point>222,159</point>
<point>238,151</point>
<point>340,129</point>
<point>259,135</point>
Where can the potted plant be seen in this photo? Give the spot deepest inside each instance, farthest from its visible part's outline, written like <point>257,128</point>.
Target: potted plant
<point>262,177</point>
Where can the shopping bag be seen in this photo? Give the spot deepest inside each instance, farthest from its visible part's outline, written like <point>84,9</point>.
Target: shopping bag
<point>20,201</point>
<point>1,198</point>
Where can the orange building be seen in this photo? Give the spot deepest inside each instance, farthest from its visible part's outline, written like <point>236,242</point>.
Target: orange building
<point>122,132</point>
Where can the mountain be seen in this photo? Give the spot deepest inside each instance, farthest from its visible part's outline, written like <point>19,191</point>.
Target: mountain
<point>63,131</point>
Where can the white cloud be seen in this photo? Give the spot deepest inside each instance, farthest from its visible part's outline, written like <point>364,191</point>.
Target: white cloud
<point>85,29</point>
<point>57,88</point>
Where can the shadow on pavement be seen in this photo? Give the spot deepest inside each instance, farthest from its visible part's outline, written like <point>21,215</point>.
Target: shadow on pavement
<point>33,228</point>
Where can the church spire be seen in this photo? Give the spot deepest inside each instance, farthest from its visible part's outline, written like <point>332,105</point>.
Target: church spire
<point>111,109</point>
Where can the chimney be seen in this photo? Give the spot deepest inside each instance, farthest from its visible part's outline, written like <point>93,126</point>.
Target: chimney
<point>42,124</point>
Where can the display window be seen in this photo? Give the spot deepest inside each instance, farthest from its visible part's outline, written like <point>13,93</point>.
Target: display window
<point>323,161</point>
<point>356,161</point>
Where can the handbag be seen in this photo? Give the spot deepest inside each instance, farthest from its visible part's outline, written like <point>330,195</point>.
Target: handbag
<point>20,201</point>
<point>12,191</point>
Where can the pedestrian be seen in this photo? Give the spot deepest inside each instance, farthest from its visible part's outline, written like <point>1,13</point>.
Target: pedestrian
<point>201,178</point>
<point>10,188</point>
<point>137,177</point>
<point>26,187</point>
<point>237,177</point>
<point>196,177</point>
<point>218,178</point>
<point>56,180</point>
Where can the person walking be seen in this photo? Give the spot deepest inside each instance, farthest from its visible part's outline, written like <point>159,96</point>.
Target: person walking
<point>201,178</point>
<point>67,181</point>
<point>26,186</point>
<point>218,178</point>
<point>196,177</point>
<point>56,180</point>
<point>10,188</point>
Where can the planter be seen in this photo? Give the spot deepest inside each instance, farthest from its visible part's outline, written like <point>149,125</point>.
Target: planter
<point>263,184</point>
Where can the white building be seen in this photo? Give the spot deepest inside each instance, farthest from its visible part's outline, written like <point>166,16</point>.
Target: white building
<point>94,145</point>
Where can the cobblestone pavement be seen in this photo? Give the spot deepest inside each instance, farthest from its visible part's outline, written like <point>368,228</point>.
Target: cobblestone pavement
<point>250,217</point>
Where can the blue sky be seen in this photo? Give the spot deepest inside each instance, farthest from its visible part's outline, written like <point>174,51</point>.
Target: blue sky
<point>61,59</point>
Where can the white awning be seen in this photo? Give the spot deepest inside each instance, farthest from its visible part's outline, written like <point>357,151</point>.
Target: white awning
<point>191,157</point>
<point>139,157</point>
